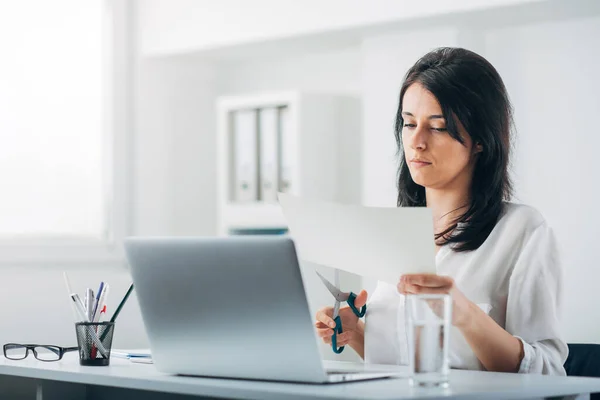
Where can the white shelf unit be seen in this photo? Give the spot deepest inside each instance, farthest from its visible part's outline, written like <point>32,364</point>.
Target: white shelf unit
<point>312,125</point>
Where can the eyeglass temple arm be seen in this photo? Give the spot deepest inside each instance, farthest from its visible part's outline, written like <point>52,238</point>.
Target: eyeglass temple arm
<point>65,349</point>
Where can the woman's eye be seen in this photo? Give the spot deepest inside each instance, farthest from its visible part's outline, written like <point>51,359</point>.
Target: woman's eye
<point>440,129</point>
<point>409,125</point>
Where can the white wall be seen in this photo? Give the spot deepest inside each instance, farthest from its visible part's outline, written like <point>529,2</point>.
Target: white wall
<point>174,144</point>
<point>551,71</point>
<point>171,26</point>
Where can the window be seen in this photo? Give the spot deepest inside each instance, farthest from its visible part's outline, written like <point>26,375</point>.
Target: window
<point>56,134</point>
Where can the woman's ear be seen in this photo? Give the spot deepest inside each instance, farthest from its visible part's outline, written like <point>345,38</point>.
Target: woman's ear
<point>478,148</point>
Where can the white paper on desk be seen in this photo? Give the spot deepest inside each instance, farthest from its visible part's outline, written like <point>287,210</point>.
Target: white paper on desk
<point>129,353</point>
<point>376,242</point>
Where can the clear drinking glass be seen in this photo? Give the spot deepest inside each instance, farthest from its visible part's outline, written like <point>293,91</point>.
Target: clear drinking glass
<point>428,322</point>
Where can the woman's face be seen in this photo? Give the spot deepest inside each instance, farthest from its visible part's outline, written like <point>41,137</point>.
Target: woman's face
<point>434,158</point>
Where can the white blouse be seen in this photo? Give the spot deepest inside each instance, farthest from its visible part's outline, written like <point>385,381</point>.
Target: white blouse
<point>515,277</point>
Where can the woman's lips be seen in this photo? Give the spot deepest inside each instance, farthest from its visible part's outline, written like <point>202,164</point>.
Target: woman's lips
<point>419,164</point>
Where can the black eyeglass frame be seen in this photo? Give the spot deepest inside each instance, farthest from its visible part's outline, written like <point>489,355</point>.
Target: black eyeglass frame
<point>59,351</point>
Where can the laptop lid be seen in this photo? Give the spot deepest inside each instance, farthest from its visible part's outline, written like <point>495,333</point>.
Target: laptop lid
<point>226,307</point>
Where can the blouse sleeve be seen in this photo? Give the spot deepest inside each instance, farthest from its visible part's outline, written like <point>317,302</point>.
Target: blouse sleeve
<point>534,302</point>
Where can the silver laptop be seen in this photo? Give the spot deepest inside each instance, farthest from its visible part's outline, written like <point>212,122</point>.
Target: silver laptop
<point>231,307</point>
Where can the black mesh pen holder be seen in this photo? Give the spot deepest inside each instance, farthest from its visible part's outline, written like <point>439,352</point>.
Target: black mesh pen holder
<point>94,340</point>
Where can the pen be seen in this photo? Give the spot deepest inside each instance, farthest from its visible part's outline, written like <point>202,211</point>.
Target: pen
<point>67,282</point>
<point>101,303</point>
<point>100,308</point>
<point>89,302</point>
<point>79,307</point>
<point>69,291</point>
<point>98,294</point>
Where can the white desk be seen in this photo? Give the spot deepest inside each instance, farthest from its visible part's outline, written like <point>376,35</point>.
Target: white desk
<point>66,379</point>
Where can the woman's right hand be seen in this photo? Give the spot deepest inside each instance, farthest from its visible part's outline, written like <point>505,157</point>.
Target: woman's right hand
<point>352,327</point>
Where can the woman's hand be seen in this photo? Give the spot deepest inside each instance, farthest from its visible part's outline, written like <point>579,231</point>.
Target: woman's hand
<point>353,329</point>
<point>462,308</point>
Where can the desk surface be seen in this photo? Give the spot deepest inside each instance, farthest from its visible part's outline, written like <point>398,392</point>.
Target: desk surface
<point>463,384</point>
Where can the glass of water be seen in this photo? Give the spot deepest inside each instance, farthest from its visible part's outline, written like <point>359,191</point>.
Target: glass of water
<point>428,322</point>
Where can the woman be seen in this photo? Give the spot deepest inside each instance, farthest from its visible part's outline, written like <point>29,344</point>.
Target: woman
<point>497,260</point>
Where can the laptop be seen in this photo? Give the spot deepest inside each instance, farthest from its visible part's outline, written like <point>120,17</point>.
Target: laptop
<point>230,307</point>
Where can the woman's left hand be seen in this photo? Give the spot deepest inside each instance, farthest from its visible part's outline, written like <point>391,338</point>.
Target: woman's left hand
<point>462,308</point>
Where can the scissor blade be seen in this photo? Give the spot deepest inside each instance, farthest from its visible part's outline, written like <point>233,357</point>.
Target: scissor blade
<point>336,309</point>
<point>337,293</point>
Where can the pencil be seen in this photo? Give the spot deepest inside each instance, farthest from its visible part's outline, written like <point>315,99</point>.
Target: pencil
<point>121,304</point>
<point>117,311</point>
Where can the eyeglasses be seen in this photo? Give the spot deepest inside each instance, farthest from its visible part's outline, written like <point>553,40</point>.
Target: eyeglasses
<point>16,351</point>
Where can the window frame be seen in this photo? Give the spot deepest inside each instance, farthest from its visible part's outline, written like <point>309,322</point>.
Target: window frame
<point>117,166</point>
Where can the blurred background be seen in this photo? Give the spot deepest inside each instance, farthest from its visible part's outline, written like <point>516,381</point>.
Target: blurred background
<point>164,117</point>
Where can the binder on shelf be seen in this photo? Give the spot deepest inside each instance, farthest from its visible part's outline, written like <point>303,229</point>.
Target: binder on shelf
<point>258,231</point>
<point>268,154</point>
<point>245,154</point>
<point>287,151</point>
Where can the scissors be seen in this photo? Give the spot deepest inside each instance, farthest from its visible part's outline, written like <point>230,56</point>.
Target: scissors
<point>340,296</point>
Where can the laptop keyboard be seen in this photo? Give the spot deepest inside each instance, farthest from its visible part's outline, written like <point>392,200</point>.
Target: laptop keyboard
<point>333,372</point>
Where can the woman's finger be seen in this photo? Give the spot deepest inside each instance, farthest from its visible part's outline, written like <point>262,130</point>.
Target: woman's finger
<point>324,318</point>
<point>428,280</point>
<point>325,332</point>
<point>401,287</point>
<point>345,336</point>
<point>342,339</point>
<point>320,325</point>
<point>417,289</point>
<point>361,299</point>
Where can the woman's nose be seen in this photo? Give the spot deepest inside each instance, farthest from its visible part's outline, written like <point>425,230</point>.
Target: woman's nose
<point>419,139</point>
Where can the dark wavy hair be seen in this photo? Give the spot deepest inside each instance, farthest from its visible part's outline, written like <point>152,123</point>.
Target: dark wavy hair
<point>470,90</point>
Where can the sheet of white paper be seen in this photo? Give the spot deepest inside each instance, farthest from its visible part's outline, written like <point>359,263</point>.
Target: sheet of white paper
<point>131,353</point>
<point>376,242</point>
